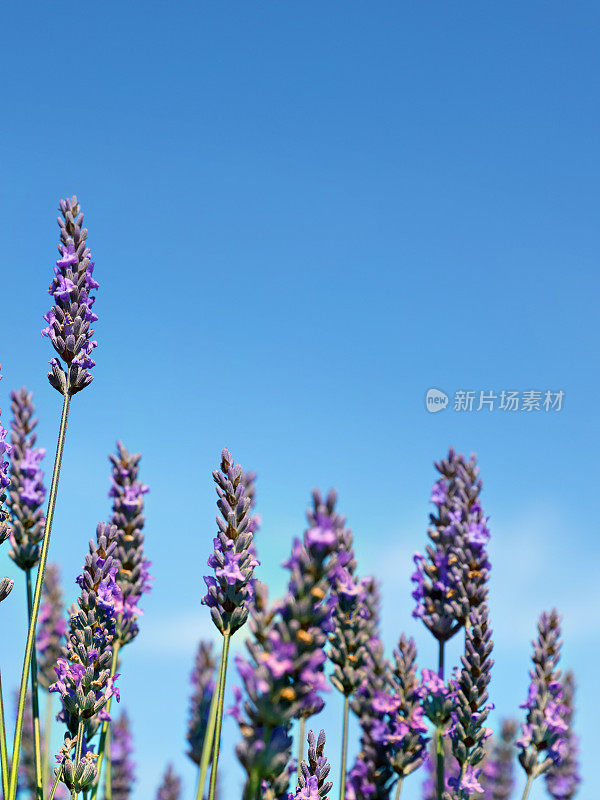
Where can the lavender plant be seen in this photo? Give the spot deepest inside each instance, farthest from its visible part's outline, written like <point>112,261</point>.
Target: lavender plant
<point>312,777</point>
<point>122,774</point>
<point>498,778</point>
<point>170,788</point>
<point>562,779</point>
<point>203,683</point>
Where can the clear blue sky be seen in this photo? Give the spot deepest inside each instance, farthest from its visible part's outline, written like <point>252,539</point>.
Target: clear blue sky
<point>303,216</point>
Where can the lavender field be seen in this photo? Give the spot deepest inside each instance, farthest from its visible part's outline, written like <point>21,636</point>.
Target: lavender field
<point>298,404</point>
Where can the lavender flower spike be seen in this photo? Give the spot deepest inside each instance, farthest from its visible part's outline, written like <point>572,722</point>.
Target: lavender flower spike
<point>70,318</point>
<point>563,779</point>
<point>133,578</point>
<point>498,771</point>
<point>313,774</point>
<point>27,490</point>
<point>231,590</point>
<point>543,739</point>
<point>203,681</point>
<point>122,776</point>
<point>6,584</point>
<point>51,627</point>
<point>170,788</point>
<point>467,732</point>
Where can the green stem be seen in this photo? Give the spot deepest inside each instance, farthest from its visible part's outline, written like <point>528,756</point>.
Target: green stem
<point>527,787</point>
<point>14,767</point>
<point>78,748</point>
<point>219,720</point>
<point>3,746</point>
<point>35,706</point>
<point>108,775</point>
<point>106,723</point>
<point>441,659</point>
<point>55,784</point>
<point>439,771</point>
<point>47,742</point>
<point>301,747</point>
<point>398,788</point>
<point>209,735</point>
<point>344,748</point>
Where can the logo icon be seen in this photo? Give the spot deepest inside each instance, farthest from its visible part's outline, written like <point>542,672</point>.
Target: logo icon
<point>435,400</point>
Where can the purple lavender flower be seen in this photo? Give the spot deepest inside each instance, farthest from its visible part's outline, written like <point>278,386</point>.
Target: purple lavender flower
<point>27,490</point>
<point>51,627</point>
<point>170,788</point>
<point>543,739</point>
<point>133,578</point>
<point>83,674</point>
<point>203,682</point>
<point>122,776</point>
<point>468,732</point>
<point>313,773</point>
<point>230,591</point>
<point>498,771</point>
<point>452,576</point>
<point>70,318</point>
<point>563,779</point>
<point>6,584</point>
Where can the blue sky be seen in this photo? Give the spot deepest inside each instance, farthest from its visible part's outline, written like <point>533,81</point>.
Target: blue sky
<point>304,216</point>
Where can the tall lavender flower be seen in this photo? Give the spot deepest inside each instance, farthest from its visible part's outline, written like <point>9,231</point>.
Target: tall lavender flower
<point>6,584</point>
<point>312,780</point>
<point>84,680</point>
<point>468,731</point>
<point>51,626</point>
<point>230,591</point>
<point>70,318</point>
<point>122,775</point>
<point>498,778</point>
<point>543,739</point>
<point>203,683</point>
<point>563,779</point>
<point>170,788</point>
<point>27,490</point>
<point>133,578</point>
<point>452,576</point>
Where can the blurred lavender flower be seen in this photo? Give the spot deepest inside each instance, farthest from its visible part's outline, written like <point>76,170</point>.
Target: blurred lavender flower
<point>27,490</point>
<point>349,635</point>
<point>371,775</point>
<point>544,732</point>
<point>231,590</point>
<point>170,788</point>
<point>468,732</point>
<point>498,778</point>
<point>313,773</point>
<point>562,780</point>
<point>132,578</point>
<point>203,682</point>
<point>6,584</point>
<point>122,775</point>
<point>51,626</point>
<point>452,576</point>
<point>26,779</point>
<point>70,318</point>
<point>84,681</point>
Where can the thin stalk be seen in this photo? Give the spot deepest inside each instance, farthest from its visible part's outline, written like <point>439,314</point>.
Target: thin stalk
<point>55,784</point>
<point>47,742</point>
<point>35,706</point>
<point>527,787</point>
<point>301,747</point>
<point>219,719</point>
<point>398,788</point>
<point>108,773</point>
<point>209,736</point>
<point>14,767</point>
<point>344,748</point>
<point>439,752</point>
<point>3,747</point>
<point>106,723</point>
<point>441,659</point>
<point>78,748</point>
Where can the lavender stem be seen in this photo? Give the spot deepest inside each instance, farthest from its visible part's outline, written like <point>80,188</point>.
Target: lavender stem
<point>106,723</point>
<point>301,746</point>
<point>209,736</point>
<point>398,788</point>
<point>78,752</point>
<point>219,718</point>
<point>441,644</point>
<point>3,746</point>
<point>108,776</point>
<point>439,751</point>
<point>55,784</point>
<point>14,768</point>
<point>527,787</point>
<point>344,747</point>
<point>35,706</point>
